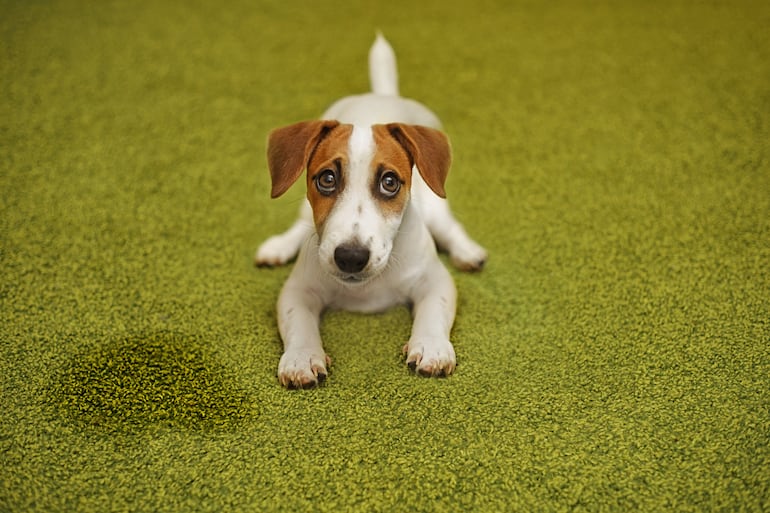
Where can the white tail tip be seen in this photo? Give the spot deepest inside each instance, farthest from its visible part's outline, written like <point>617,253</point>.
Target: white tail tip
<point>383,72</point>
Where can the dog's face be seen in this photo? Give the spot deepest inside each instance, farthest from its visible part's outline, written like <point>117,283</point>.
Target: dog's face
<point>358,184</point>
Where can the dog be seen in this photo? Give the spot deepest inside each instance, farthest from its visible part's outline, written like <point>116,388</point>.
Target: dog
<point>368,233</point>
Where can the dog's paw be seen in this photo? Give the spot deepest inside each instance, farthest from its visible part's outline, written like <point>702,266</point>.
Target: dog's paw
<point>468,256</point>
<point>302,369</point>
<point>430,357</point>
<point>276,250</point>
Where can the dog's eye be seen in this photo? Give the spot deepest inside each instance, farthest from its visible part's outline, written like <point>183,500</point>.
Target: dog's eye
<point>326,182</point>
<point>389,184</point>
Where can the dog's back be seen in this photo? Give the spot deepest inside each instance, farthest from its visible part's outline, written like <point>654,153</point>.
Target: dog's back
<point>383,104</point>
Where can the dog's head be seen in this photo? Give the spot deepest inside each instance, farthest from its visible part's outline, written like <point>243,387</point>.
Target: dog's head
<point>358,184</point>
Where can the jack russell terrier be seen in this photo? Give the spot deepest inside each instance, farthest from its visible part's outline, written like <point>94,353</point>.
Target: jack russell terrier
<point>365,235</point>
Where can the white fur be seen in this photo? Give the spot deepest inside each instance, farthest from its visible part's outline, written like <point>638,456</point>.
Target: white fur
<point>403,266</point>
<point>383,72</point>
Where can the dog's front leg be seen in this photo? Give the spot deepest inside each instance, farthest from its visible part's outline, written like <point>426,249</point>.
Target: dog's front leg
<point>303,363</point>
<point>429,351</point>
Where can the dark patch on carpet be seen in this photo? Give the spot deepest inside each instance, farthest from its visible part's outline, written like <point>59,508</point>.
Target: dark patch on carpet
<point>160,378</point>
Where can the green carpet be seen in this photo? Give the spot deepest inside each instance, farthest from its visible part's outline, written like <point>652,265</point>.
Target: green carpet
<point>614,157</point>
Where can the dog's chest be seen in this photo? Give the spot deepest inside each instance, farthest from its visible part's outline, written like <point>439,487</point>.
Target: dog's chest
<point>377,296</point>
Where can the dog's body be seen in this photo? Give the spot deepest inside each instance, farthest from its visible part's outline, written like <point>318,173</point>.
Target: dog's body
<point>366,235</point>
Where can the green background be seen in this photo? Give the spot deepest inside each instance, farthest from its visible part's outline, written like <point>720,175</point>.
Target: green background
<point>613,356</point>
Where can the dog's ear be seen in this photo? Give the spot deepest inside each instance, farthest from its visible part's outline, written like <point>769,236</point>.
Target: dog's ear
<point>289,149</point>
<point>428,149</point>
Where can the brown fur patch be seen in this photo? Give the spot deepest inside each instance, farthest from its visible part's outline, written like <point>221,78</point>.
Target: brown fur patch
<point>331,153</point>
<point>389,155</point>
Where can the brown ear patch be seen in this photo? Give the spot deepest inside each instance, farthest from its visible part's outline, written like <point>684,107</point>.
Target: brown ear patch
<point>289,149</point>
<point>429,150</point>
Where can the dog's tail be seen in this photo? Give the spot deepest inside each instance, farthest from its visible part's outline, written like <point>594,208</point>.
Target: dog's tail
<point>383,73</point>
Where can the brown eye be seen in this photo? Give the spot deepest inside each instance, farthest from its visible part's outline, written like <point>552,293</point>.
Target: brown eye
<point>326,182</point>
<point>389,184</point>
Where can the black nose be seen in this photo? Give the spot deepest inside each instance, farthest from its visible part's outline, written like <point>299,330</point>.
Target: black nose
<point>351,258</point>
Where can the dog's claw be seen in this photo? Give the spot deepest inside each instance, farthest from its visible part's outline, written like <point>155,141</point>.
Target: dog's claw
<point>303,384</point>
<point>469,266</point>
<point>309,385</point>
<point>432,372</point>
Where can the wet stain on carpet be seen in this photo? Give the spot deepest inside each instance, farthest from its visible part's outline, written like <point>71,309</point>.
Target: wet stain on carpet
<point>160,378</point>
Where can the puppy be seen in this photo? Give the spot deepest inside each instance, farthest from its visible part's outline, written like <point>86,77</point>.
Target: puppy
<point>367,234</point>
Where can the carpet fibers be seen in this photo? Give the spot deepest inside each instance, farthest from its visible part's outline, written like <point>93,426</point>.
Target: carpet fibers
<point>614,355</point>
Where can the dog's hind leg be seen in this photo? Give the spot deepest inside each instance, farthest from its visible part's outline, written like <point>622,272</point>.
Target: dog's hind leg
<point>280,249</point>
<point>450,236</point>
